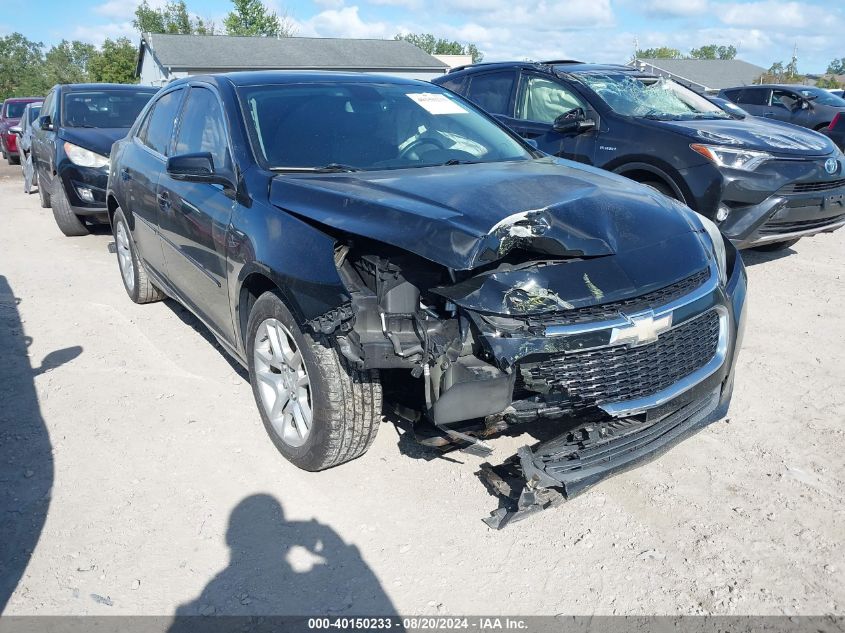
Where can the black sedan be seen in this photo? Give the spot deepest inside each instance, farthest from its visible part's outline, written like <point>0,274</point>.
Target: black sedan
<point>71,145</point>
<point>354,240</point>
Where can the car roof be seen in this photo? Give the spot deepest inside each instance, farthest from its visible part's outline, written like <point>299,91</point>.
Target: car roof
<point>793,86</point>
<point>549,66</point>
<point>264,77</point>
<point>100,86</point>
<point>26,99</point>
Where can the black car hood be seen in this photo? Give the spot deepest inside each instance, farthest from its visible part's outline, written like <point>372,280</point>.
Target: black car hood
<point>465,216</point>
<point>98,139</point>
<point>754,133</point>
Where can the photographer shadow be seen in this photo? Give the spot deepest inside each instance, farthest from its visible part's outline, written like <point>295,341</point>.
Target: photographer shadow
<point>279,567</point>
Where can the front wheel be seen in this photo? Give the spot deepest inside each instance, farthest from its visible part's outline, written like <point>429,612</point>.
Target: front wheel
<point>318,410</point>
<point>69,223</point>
<point>135,279</point>
<point>775,246</point>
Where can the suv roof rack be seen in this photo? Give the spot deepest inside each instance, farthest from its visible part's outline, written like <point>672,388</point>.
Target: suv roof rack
<point>562,61</point>
<point>506,62</point>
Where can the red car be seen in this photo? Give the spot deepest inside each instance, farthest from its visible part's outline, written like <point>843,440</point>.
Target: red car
<point>10,114</point>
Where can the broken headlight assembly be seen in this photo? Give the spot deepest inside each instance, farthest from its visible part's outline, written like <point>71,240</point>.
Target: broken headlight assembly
<point>732,157</point>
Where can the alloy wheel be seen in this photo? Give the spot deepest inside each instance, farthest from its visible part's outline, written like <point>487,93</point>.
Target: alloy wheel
<point>283,383</point>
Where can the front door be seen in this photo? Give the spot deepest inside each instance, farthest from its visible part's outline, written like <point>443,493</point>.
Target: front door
<point>194,217</point>
<point>539,101</point>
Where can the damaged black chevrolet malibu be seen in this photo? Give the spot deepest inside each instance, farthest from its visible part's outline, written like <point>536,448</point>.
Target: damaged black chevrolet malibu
<point>355,240</point>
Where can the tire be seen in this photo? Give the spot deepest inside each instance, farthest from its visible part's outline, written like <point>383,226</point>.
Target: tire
<point>136,281</point>
<point>345,403</point>
<point>43,194</point>
<point>775,246</point>
<point>69,223</point>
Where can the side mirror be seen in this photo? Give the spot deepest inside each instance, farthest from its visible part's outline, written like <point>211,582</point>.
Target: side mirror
<point>45,122</point>
<point>197,167</point>
<point>15,129</point>
<point>573,121</point>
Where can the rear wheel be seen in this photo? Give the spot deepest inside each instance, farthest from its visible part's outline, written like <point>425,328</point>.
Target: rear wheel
<point>135,279</point>
<point>775,246</point>
<point>318,410</point>
<point>69,223</point>
<point>663,188</point>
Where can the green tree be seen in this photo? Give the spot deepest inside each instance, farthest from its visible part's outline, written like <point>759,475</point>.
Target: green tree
<point>663,52</point>
<point>439,46</point>
<point>251,17</point>
<point>837,67</point>
<point>115,62</point>
<point>21,72</point>
<point>172,18</point>
<point>780,73</point>
<point>712,51</point>
<point>67,63</point>
<point>827,82</point>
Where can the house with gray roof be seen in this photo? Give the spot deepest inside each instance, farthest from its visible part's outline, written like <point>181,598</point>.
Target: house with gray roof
<point>703,75</point>
<point>164,57</point>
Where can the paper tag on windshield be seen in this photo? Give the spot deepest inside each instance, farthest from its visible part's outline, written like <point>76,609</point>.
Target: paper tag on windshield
<point>437,104</point>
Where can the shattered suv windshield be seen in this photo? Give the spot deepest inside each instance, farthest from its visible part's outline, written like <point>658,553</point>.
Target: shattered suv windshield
<point>650,97</point>
<point>367,126</point>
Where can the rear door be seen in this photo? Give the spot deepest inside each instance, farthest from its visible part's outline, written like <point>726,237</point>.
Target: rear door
<point>491,91</point>
<point>43,151</point>
<point>194,217</point>
<point>540,99</point>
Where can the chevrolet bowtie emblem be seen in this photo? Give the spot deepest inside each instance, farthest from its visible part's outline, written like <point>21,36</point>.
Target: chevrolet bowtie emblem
<point>641,329</point>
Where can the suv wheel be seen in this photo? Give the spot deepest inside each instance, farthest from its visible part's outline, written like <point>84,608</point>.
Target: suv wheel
<point>318,410</point>
<point>69,223</point>
<point>135,279</point>
<point>775,246</point>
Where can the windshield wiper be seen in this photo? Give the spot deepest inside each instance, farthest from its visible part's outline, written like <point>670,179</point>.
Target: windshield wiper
<point>331,168</point>
<point>458,161</point>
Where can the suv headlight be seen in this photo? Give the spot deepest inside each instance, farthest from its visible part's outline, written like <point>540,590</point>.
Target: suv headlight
<point>717,243</point>
<point>85,157</point>
<point>732,157</point>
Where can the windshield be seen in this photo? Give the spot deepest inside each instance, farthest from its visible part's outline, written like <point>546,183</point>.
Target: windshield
<point>104,108</point>
<point>347,126</point>
<point>14,109</point>
<point>34,111</point>
<point>650,97</point>
<point>822,97</point>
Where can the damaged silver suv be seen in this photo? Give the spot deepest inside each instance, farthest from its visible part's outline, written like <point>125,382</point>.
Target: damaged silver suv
<point>356,241</point>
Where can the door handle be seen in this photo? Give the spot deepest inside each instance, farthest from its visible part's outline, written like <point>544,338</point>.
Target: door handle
<point>163,200</point>
<point>769,115</point>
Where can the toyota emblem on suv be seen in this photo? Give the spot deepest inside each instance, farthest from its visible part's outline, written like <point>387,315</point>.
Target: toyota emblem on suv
<point>831,165</point>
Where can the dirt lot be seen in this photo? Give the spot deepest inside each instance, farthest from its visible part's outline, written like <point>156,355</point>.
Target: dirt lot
<point>135,469</point>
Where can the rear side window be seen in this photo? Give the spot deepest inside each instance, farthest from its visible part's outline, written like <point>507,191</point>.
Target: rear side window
<point>752,96</point>
<point>157,130</point>
<point>492,91</point>
<point>203,129</point>
<point>455,85</point>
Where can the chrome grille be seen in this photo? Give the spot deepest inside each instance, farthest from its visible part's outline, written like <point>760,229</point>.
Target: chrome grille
<point>615,374</point>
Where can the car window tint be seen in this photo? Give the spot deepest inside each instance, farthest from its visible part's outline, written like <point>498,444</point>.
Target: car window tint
<point>491,91</point>
<point>202,128</point>
<point>47,108</point>
<point>543,100</point>
<point>159,128</point>
<point>783,99</point>
<point>455,85</point>
<point>753,96</point>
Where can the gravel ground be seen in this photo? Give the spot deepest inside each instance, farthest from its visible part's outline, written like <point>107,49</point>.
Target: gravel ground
<point>137,477</point>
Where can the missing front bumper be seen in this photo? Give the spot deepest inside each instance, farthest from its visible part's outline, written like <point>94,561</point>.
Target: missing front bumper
<point>567,465</point>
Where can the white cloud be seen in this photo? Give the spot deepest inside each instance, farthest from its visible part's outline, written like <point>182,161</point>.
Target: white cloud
<point>673,8</point>
<point>776,14</point>
<point>123,9</point>
<point>343,22</point>
<point>97,34</point>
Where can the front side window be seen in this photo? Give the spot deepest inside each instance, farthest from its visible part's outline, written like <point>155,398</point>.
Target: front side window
<point>103,108</point>
<point>48,108</point>
<point>784,99</point>
<point>544,100</point>
<point>370,126</point>
<point>157,130</point>
<point>202,128</point>
<point>650,97</point>
<point>34,113</point>
<point>491,91</point>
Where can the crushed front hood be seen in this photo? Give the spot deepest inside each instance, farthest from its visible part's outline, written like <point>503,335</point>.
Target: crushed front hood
<point>465,216</point>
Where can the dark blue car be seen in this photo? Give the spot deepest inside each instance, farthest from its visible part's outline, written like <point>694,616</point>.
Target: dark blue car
<point>71,142</point>
<point>355,240</point>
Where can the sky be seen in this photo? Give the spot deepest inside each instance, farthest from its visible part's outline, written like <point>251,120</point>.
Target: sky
<point>764,31</point>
